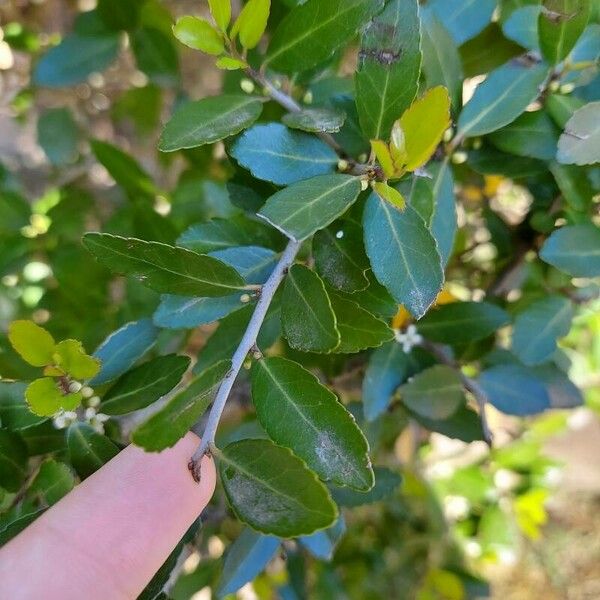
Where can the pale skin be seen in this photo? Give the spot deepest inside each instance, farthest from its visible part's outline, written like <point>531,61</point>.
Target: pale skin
<point>109,536</point>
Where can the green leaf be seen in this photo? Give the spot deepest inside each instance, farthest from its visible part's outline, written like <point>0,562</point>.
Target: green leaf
<point>58,136</point>
<point>538,327</point>
<point>163,268</point>
<point>435,393</point>
<point>560,24</point>
<point>403,254</point>
<point>515,390</point>
<point>230,64</point>
<point>464,19</point>
<point>53,481</point>
<point>315,120</point>
<point>386,370</point>
<point>522,26</point>
<point>441,59</point>
<point>221,12</point>
<point>71,357</point>
<point>574,185</point>
<point>501,98</point>
<point>272,490</point>
<point>155,55</point>
<point>13,460</point>
<point>209,120</point>
<point>389,65</point>
<point>75,58</point>
<point>251,23</point>
<point>124,169</point>
<point>167,426</point>
<point>386,481</point>
<point>391,195</point>
<point>45,398</point>
<point>464,424</point>
<point>307,206</point>
<point>307,318</point>
<point>358,328</point>
<point>274,153</point>
<point>313,31</point>
<point>340,257</point>
<point>32,342</point>
<point>574,249</point>
<point>580,142</point>
<point>532,134</point>
<point>199,34</point>
<point>88,449</point>
<point>322,544</point>
<point>123,348</point>
<point>14,413</point>
<point>245,559</point>
<point>144,384</point>
<point>462,322</point>
<point>119,15</point>
<point>443,222</point>
<point>301,414</point>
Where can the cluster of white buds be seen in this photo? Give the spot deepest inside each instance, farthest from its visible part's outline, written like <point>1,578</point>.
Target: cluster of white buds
<point>63,418</point>
<point>408,338</point>
<point>95,419</point>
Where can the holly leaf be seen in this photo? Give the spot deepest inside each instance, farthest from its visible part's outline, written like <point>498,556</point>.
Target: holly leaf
<point>301,414</point>
<point>272,490</point>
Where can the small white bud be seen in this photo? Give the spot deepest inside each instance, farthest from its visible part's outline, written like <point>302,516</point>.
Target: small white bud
<point>102,417</point>
<point>364,184</point>
<point>308,97</point>
<point>87,391</point>
<point>567,88</point>
<point>245,298</point>
<point>477,143</point>
<point>458,158</point>
<point>342,165</point>
<point>257,355</point>
<point>554,86</point>
<point>59,421</point>
<point>247,85</point>
<point>90,413</point>
<point>94,401</point>
<point>74,387</point>
<point>448,134</point>
<point>71,415</point>
<point>339,235</point>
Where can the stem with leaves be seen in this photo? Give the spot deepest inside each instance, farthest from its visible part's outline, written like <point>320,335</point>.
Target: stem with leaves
<point>247,344</point>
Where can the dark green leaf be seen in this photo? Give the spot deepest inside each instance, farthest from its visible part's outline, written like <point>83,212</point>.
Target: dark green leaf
<point>532,134</point>
<point>14,412</point>
<point>209,120</point>
<point>274,153</point>
<point>58,136</point>
<point>316,120</point>
<point>301,414</point>
<point>464,424</point>
<point>155,55</point>
<point>122,349</point>
<point>311,32</point>
<point>403,254</point>
<point>387,369</point>
<point>164,428</point>
<point>340,257</point>
<point>574,185</point>
<point>574,249</point>
<point>119,15</point>
<point>538,327</point>
<point>358,328</point>
<point>389,66</point>
<point>386,482</point>
<point>307,206</point>
<point>501,98</point>
<point>144,384</point>
<point>307,318</point>
<point>163,268</point>
<point>245,559</point>
<point>53,481</point>
<point>272,490</point>
<point>560,24</point>
<point>13,460</point>
<point>88,449</point>
<point>435,393</point>
<point>462,322</point>
<point>515,390</point>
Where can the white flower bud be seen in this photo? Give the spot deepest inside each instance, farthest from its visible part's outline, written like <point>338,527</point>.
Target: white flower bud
<point>308,97</point>
<point>247,85</point>
<point>364,184</point>
<point>94,401</point>
<point>87,391</point>
<point>245,298</point>
<point>74,387</point>
<point>458,158</point>
<point>90,413</point>
<point>342,165</point>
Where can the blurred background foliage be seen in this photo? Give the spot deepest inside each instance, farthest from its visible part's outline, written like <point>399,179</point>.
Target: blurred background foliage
<point>79,124</point>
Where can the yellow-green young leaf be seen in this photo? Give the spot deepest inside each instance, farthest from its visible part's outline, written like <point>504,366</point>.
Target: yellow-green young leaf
<point>44,397</point>
<point>199,34</point>
<point>389,194</point>
<point>71,357</point>
<point>252,22</point>
<point>382,152</point>
<point>32,342</point>
<point>227,63</point>
<point>424,124</point>
<point>398,147</point>
<point>221,12</point>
